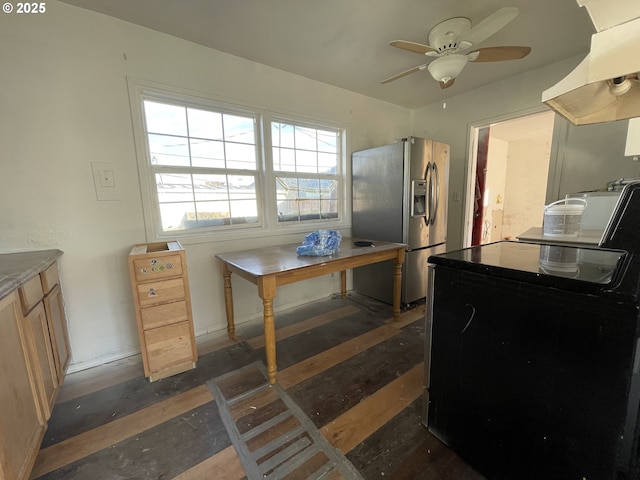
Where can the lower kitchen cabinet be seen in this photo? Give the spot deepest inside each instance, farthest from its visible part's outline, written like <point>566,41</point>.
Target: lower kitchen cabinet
<point>34,355</point>
<point>42,358</point>
<point>22,424</point>
<point>57,321</point>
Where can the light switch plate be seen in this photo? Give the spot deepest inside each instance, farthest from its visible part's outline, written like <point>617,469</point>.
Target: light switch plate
<point>105,181</point>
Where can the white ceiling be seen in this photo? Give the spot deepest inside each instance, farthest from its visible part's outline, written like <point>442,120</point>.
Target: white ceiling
<point>346,42</point>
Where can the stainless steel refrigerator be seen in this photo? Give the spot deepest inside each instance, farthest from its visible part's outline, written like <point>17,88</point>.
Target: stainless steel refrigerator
<point>400,195</point>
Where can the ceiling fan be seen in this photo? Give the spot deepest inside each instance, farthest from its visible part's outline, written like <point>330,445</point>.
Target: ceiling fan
<point>449,40</point>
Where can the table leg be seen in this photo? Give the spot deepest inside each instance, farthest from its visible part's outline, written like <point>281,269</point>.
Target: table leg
<point>228,301</point>
<point>267,291</point>
<point>397,284</point>
<point>343,284</point>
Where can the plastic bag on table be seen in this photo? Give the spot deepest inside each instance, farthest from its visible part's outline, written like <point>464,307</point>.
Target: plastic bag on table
<point>320,243</point>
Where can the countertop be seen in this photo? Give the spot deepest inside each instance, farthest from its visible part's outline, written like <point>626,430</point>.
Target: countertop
<point>17,268</point>
<point>590,270</point>
<point>585,237</point>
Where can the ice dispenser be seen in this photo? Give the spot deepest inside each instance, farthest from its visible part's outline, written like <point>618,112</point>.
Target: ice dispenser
<point>419,195</point>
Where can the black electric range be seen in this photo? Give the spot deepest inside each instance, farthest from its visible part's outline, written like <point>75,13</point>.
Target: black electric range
<point>532,355</point>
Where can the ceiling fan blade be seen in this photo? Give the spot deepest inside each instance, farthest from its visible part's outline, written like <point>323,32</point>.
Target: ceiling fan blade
<point>498,54</point>
<point>446,84</point>
<point>405,73</point>
<point>491,25</point>
<point>412,46</point>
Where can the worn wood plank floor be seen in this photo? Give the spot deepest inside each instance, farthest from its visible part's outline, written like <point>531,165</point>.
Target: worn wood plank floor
<point>356,374</point>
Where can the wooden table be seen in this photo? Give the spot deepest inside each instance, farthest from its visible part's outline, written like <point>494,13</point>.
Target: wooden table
<point>272,267</point>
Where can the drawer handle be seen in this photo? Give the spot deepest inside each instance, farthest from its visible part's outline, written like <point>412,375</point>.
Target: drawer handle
<point>152,292</point>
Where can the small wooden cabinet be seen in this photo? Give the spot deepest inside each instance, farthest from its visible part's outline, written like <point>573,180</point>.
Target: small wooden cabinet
<point>160,287</point>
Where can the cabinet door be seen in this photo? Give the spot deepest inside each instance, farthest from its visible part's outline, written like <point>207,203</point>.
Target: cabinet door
<point>169,350</point>
<point>41,352</point>
<point>57,320</point>
<point>21,421</point>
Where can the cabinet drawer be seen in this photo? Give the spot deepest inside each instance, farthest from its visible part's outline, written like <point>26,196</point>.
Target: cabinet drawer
<point>157,267</point>
<point>49,277</point>
<point>153,293</point>
<point>161,315</point>
<point>169,347</point>
<point>30,294</point>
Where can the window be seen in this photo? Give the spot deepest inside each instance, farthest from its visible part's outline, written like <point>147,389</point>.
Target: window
<point>204,166</point>
<point>207,167</point>
<point>305,163</point>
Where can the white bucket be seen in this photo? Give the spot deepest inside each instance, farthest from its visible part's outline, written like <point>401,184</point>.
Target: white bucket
<point>555,259</point>
<point>562,219</point>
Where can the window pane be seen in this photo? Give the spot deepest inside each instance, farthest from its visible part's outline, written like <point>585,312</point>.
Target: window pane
<point>175,215</point>
<point>166,150</point>
<point>298,199</point>
<point>329,208</point>
<point>327,163</point>
<point>282,135</point>
<point>308,188</point>
<point>242,187</point>
<point>210,187</point>
<point>212,214</point>
<point>240,156</point>
<point>306,162</point>
<point>207,153</point>
<point>328,188</point>
<point>284,160</point>
<point>310,152</point>
<point>162,118</point>
<point>306,138</point>
<point>239,129</point>
<point>204,124</point>
<point>174,187</point>
<point>327,141</point>
<point>244,211</point>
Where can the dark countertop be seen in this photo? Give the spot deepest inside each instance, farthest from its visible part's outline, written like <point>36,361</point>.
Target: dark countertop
<point>17,268</point>
<point>590,270</point>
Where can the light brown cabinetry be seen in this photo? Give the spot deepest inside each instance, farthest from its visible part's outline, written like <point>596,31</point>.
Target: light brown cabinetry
<point>160,287</point>
<point>34,355</point>
<point>57,320</point>
<point>41,355</point>
<point>22,423</point>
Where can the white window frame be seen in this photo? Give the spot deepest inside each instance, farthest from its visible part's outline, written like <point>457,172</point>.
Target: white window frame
<point>272,174</point>
<point>141,90</point>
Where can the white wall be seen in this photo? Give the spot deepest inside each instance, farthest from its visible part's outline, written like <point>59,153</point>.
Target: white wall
<point>526,185</point>
<point>495,185</point>
<point>64,104</point>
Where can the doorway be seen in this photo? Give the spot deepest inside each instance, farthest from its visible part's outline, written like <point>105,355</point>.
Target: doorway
<point>507,178</point>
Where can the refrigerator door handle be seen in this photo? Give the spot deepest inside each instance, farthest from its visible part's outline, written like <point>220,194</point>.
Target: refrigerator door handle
<point>437,193</point>
<point>427,179</point>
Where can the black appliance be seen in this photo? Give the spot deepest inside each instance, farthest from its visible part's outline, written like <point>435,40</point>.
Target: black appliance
<point>533,355</point>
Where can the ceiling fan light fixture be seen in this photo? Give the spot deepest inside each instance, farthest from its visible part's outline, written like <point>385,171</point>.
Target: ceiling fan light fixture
<point>445,68</point>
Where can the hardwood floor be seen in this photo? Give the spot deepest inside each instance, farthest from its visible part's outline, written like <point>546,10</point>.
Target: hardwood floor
<point>354,372</point>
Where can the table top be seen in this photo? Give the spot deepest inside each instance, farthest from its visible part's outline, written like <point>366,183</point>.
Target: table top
<point>283,258</point>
